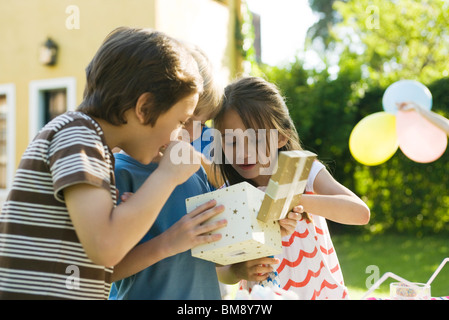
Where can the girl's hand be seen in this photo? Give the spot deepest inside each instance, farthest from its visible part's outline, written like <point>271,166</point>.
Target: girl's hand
<point>192,229</point>
<point>254,270</point>
<point>289,223</point>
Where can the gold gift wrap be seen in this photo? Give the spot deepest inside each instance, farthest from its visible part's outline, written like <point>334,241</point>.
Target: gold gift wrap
<point>286,185</point>
<point>245,237</point>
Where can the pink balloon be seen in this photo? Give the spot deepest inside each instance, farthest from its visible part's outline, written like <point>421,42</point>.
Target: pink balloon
<point>419,139</point>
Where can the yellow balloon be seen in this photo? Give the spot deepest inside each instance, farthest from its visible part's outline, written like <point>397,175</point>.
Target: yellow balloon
<point>374,139</point>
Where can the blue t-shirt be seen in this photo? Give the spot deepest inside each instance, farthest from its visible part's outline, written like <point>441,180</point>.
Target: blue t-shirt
<point>179,277</point>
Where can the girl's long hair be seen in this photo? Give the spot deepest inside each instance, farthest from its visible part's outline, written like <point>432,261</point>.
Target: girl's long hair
<point>260,105</point>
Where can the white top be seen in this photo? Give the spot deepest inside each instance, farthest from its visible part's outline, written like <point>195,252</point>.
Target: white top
<point>316,167</point>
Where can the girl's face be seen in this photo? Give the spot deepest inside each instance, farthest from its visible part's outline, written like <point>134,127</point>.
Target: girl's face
<point>241,148</point>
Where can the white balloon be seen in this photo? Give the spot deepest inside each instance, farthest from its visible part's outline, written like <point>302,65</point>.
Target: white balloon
<point>406,91</point>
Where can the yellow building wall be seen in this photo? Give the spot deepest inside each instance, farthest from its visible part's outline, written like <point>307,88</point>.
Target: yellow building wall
<point>26,24</point>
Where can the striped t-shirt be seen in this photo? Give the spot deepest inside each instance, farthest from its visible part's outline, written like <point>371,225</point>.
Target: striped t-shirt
<point>41,256</point>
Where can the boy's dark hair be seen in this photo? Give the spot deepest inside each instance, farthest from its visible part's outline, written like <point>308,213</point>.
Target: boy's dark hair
<point>131,62</point>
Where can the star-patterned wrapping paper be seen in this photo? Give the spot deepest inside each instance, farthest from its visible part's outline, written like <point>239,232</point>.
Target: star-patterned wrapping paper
<point>253,229</point>
<point>245,237</point>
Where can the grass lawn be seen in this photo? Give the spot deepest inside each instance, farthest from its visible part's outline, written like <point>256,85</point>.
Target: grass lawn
<point>414,259</point>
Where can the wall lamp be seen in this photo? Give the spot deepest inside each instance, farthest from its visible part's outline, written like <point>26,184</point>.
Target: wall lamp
<point>48,53</point>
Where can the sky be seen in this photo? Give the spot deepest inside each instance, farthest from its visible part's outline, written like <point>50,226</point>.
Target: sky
<point>284,24</point>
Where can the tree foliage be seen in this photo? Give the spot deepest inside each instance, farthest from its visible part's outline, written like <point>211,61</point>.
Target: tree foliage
<point>328,17</point>
<point>396,39</point>
<point>411,42</point>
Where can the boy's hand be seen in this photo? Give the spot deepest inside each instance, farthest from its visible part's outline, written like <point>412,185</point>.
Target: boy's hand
<point>254,270</point>
<point>289,223</point>
<point>192,229</point>
<point>125,196</point>
<point>180,161</point>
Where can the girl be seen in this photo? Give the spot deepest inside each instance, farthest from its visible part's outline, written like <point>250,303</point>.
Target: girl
<point>308,264</point>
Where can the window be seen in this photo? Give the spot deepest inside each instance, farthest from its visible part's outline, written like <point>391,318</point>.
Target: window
<point>48,99</point>
<point>7,137</point>
<point>3,137</point>
<point>55,103</point>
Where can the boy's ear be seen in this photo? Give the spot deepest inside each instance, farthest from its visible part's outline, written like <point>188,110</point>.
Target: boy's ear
<point>282,141</point>
<point>143,107</point>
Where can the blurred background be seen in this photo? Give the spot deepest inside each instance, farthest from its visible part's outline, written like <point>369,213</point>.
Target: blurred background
<point>332,60</point>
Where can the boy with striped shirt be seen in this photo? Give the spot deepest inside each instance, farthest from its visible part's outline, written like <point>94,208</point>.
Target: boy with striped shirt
<point>60,228</point>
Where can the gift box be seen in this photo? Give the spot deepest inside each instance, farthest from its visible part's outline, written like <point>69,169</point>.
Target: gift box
<point>244,237</point>
<point>286,185</point>
<point>253,230</point>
